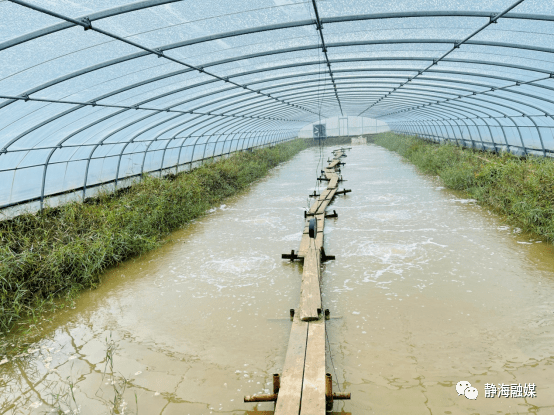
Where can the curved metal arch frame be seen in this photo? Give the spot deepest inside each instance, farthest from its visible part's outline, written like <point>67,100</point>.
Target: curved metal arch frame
<point>84,188</point>
<point>201,83</point>
<point>427,103</point>
<point>86,24</point>
<point>218,91</point>
<point>465,41</point>
<point>441,88</point>
<point>523,147</point>
<point>485,124</point>
<point>519,102</point>
<point>204,134</point>
<point>481,101</point>
<point>218,128</point>
<point>432,95</point>
<point>156,138</point>
<point>132,139</point>
<point>121,128</point>
<point>349,44</point>
<point>190,126</point>
<point>501,98</point>
<point>420,126</point>
<point>516,110</point>
<point>88,164</point>
<point>162,168</point>
<point>503,106</point>
<point>247,115</point>
<point>487,93</point>
<point>442,119</point>
<point>329,20</point>
<point>434,112</point>
<point>537,97</point>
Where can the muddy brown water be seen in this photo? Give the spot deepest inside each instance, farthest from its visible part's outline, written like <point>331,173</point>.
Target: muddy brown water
<point>428,289</point>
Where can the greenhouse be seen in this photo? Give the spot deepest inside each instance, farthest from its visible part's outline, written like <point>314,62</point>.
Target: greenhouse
<point>100,92</point>
<point>163,148</point>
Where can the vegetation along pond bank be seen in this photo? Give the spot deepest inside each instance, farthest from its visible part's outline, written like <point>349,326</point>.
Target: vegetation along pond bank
<point>56,253</point>
<point>520,188</point>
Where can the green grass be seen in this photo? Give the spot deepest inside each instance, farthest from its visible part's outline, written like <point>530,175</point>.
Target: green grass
<point>521,189</point>
<point>61,251</point>
<point>330,141</point>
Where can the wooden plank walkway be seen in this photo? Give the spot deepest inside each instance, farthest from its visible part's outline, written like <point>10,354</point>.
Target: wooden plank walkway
<point>313,388</point>
<point>302,384</point>
<point>292,377</point>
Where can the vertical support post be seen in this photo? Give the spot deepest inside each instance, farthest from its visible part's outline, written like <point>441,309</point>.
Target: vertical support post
<point>329,392</point>
<point>539,133</point>
<point>276,383</point>
<point>347,127</point>
<point>179,155</point>
<point>43,187</point>
<point>206,146</point>
<point>163,156</point>
<point>520,135</point>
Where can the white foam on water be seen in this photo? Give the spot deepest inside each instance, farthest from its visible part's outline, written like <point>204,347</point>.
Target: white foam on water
<point>240,270</point>
<point>464,201</point>
<point>292,237</point>
<point>385,252</point>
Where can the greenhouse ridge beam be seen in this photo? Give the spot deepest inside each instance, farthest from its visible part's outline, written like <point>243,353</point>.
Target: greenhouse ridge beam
<point>492,20</point>
<point>87,25</point>
<point>319,27</point>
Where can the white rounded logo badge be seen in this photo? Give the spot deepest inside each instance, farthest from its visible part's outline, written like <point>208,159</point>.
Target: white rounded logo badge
<point>464,388</point>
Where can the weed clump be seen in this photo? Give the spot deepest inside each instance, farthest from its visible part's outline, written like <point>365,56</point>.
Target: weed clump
<point>63,250</point>
<point>521,189</point>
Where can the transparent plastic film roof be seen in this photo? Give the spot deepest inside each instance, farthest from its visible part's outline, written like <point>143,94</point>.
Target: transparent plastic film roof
<point>99,92</point>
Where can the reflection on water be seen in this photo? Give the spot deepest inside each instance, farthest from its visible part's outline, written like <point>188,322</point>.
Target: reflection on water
<point>431,289</point>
